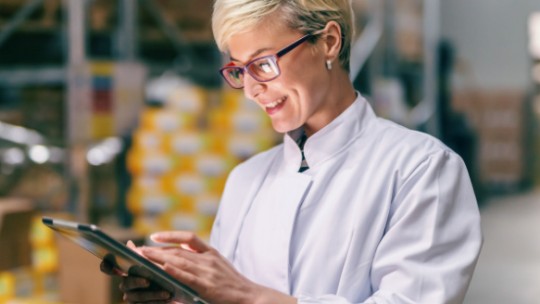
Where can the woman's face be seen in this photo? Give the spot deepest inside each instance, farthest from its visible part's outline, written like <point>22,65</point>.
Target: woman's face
<point>299,95</point>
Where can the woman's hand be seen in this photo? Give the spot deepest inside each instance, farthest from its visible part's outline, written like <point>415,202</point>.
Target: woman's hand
<point>202,268</point>
<point>136,289</point>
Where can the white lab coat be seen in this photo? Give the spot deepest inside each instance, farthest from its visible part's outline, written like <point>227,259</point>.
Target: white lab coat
<point>383,215</point>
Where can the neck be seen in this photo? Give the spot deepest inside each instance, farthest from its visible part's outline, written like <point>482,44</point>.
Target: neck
<point>338,98</point>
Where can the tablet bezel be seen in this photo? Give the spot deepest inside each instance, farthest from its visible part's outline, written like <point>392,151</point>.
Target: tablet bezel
<point>85,235</point>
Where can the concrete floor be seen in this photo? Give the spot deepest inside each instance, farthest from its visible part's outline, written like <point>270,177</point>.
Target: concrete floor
<point>508,270</point>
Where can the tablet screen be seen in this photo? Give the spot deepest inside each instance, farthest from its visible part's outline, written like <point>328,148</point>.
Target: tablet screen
<point>94,240</point>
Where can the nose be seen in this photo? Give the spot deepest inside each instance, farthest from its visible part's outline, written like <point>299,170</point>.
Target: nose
<point>252,87</point>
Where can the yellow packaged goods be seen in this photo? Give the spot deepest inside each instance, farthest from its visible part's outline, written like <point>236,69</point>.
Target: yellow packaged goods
<point>230,99</point>
<point>215,185</point>
<point>248,121</point>
<point>166,120</point>
<point>148,183</point>
<point>158,163</point>
<point>7,286</point>
<point>219,120</point>
<point>207,205</point>
<point>40,235</point>
<point>183,163</point>
<point>147,224</point>
<point>205,224</point>
<point>150,202</point>
<point>182,154</point>
<point>150,162</point>
<point>25,285</point>
<point>149,140</point>
<point>212,165</point>
<point>102,125</point>
<point>102,68</point>
<point>45,259</point>
<point>186,222</point>
<point>190,184</point>
<point>155,204</point>
<point>186,99</point>
<point>245,145</point>
<point>45,286</point>
<point>187,143</point>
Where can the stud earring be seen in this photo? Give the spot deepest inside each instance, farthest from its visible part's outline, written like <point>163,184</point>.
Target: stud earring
<point>328,64</point>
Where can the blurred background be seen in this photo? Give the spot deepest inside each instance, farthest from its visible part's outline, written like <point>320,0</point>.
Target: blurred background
<point>112,112</point>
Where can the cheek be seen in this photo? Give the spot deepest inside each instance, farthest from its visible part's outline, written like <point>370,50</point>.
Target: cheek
<point>304,74</point>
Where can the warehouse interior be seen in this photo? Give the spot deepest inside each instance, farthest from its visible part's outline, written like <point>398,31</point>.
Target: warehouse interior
<point>113,112</point>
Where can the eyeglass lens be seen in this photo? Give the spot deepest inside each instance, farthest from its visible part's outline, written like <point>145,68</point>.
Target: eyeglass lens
<point>262,69</point>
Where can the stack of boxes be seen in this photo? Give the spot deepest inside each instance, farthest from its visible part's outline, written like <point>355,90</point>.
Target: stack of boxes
<point>502,140</point>
<point>182,154</point>
<point>499,119</point>
<point>28,259</point>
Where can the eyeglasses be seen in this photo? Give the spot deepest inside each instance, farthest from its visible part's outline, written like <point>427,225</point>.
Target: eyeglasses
<point>262,69</point>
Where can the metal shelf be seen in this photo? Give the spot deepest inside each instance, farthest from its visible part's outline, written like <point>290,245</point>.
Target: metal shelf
<point>52,75</point>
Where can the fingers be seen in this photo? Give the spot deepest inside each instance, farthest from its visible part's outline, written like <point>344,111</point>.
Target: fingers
<point>132,283</point>
<point>181,237</point>
<point>163,256</point>
<point>178,265</point>
<point>109,266</point>
<point>141,290</point>
<point>185,277</point>
<point>147,296</point>
<point>106,267</point>
<point>133,247</point>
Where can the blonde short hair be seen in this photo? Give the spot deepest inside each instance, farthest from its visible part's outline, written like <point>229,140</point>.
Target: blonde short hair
<point>307,16</point>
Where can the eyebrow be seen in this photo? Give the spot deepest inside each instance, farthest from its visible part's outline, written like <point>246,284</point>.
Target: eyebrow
<point>252,56</point>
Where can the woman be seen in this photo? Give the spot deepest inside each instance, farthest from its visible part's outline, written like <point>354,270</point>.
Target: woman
<point>349,209</point>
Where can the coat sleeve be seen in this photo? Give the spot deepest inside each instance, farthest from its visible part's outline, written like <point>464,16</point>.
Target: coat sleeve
<point>432,239</point>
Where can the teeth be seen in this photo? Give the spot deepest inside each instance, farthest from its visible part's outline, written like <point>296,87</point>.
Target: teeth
<point>275,103</point>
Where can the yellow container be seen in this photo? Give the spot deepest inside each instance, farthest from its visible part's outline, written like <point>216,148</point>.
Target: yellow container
<point>7,286</point>
<point>45,259</point>
<point>102,125</point>
<point>150,202</point>
<point>41,235</point>
<point>186,143</point>
<point>167,120</point>
<point>102,68</point>
<point>188,99</point>
<point>149,140</point>
<point>155,163</point>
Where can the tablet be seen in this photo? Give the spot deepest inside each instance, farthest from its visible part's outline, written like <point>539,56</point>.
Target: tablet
<point>93,239</point>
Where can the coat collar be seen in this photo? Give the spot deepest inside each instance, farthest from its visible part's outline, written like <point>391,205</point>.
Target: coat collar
<point>331,139</point>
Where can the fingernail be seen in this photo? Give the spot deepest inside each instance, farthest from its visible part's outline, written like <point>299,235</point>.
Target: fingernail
<point>165,295</point>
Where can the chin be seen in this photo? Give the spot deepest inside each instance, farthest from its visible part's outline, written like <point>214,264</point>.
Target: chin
<point>284,128</point>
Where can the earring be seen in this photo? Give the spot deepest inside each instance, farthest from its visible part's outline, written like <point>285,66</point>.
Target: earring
<point>328,64</point>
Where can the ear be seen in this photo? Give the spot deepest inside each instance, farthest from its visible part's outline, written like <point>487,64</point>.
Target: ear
<point>332,40</point>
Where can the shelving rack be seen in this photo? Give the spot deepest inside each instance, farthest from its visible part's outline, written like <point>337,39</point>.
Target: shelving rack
<point>74,40</point>
<point>375,48</point>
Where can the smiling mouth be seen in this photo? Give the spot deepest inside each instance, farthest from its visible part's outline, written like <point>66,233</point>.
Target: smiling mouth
<point>275,103</point>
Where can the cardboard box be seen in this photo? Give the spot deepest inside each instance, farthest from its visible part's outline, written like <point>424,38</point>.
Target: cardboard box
<point>499,119</point>
<point>79,277</point>
<point>15,223</point>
